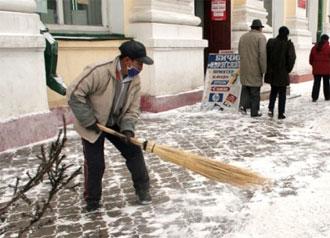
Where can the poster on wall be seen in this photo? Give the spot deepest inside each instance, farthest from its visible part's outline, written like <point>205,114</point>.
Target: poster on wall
<point>302,3</point>
<point>222,85</point>
<point>218,10</point>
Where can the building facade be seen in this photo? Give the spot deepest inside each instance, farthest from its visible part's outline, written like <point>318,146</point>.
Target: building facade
<point>24,111</point>
<point>178,36</point>
<point>169,29</point>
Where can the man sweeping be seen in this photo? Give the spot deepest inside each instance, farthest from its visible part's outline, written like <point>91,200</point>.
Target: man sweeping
<point>109,94</point>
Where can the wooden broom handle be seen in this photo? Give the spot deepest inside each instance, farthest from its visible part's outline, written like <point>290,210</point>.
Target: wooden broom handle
<point>115,133</point>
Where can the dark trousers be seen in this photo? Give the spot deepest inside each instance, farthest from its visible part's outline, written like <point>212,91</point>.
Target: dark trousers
<point>281,92</point>
<point>250,98</point>
<point>317,84</point>
<point>244,101</point>
<point>94,165</point>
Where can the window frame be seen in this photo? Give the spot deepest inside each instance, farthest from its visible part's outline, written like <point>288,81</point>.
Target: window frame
<point>112,11</point>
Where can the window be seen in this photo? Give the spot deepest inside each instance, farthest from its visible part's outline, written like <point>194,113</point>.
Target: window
<point>47,11</point>
<point>75,15</point>
<point>82,16</point>
<point>82,12</point>
<point>74,12</point>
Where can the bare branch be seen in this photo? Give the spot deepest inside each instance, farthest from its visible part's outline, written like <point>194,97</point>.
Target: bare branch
<point>57,177</point>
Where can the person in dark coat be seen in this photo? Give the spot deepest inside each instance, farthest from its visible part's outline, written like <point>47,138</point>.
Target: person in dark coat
<point>319,58</point>
<point>281,57</point>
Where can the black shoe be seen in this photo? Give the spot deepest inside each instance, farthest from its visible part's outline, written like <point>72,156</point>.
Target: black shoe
<point>242,110</point>
<point>314,100</point>
<point>281,116</point>
<point>92,206</point>
<point>143,197</point>
<point>270,114</point>
<point>257,115</point>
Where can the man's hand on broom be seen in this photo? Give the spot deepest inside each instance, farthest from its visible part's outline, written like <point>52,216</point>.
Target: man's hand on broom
<point>128,136</point>
<point>217,170</point>
<point>94,127</point>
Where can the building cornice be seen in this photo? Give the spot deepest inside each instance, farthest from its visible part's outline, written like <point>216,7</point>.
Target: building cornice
<point>28,6</point>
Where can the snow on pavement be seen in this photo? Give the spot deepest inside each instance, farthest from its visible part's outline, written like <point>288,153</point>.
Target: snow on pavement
<point>293,153</point>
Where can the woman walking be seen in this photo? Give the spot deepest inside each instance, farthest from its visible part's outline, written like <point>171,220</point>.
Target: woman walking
<point>319,58</point>
<point>281,57</point>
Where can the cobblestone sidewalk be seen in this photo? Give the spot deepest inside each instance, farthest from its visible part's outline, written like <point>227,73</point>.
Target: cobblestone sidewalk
<point>184,204</point>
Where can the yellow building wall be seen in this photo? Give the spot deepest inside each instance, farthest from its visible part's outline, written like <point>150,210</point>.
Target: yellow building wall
<point>239,2</point>
<point>128,4</point>
<point>290,8</point>
<point>74,56</point>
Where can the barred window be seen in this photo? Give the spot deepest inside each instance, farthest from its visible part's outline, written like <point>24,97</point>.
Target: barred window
<point>71,12</point>
<point>82,16</point>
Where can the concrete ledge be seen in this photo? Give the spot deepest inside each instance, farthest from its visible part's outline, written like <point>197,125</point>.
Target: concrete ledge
<point>59,112</point>
<point>148,104</point>
<point>15,42</point>
<point>26,130</point>
<point>295,78</point>
<point>18,6</point>
<point>164,103</point>
<point>165,17</point>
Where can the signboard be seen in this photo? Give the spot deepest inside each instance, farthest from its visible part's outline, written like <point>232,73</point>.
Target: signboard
<point>222,86</point>
<point>218,10</point>
<point>302,3</point>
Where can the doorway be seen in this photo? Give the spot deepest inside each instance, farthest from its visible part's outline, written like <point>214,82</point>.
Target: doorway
<point>215,20</point>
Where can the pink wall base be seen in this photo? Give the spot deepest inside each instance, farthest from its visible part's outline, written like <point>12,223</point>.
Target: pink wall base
<point>27,130</point>
<point>159,104</point>
<point>300,78</point>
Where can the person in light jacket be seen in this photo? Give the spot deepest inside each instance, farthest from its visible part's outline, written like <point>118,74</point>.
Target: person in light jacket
<point>252,51</point>
<point>109,94</point>
<point>281,57</point>
<point>319,58</point>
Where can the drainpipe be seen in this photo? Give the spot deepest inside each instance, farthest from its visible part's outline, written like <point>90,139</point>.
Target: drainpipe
<point>320,21</point>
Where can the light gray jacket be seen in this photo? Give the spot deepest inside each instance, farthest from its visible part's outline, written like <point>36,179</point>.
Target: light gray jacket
<point>253,58</point>
<point>91,95</point>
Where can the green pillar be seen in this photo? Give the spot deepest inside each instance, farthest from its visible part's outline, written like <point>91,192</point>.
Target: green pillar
<point>320,21</point>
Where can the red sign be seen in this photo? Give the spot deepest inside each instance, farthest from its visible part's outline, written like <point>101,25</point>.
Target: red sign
<point>218,10</point>
<point>302,3</point>
<point>231,98</point>
<point>219,89</point>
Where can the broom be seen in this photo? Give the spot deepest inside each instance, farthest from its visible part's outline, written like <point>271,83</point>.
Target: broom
<point>211,169</point>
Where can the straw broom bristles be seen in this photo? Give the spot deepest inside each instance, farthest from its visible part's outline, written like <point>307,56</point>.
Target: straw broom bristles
<point>212,169</point>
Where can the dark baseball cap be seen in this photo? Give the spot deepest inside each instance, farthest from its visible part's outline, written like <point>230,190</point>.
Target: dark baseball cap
<point>136,51</point>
